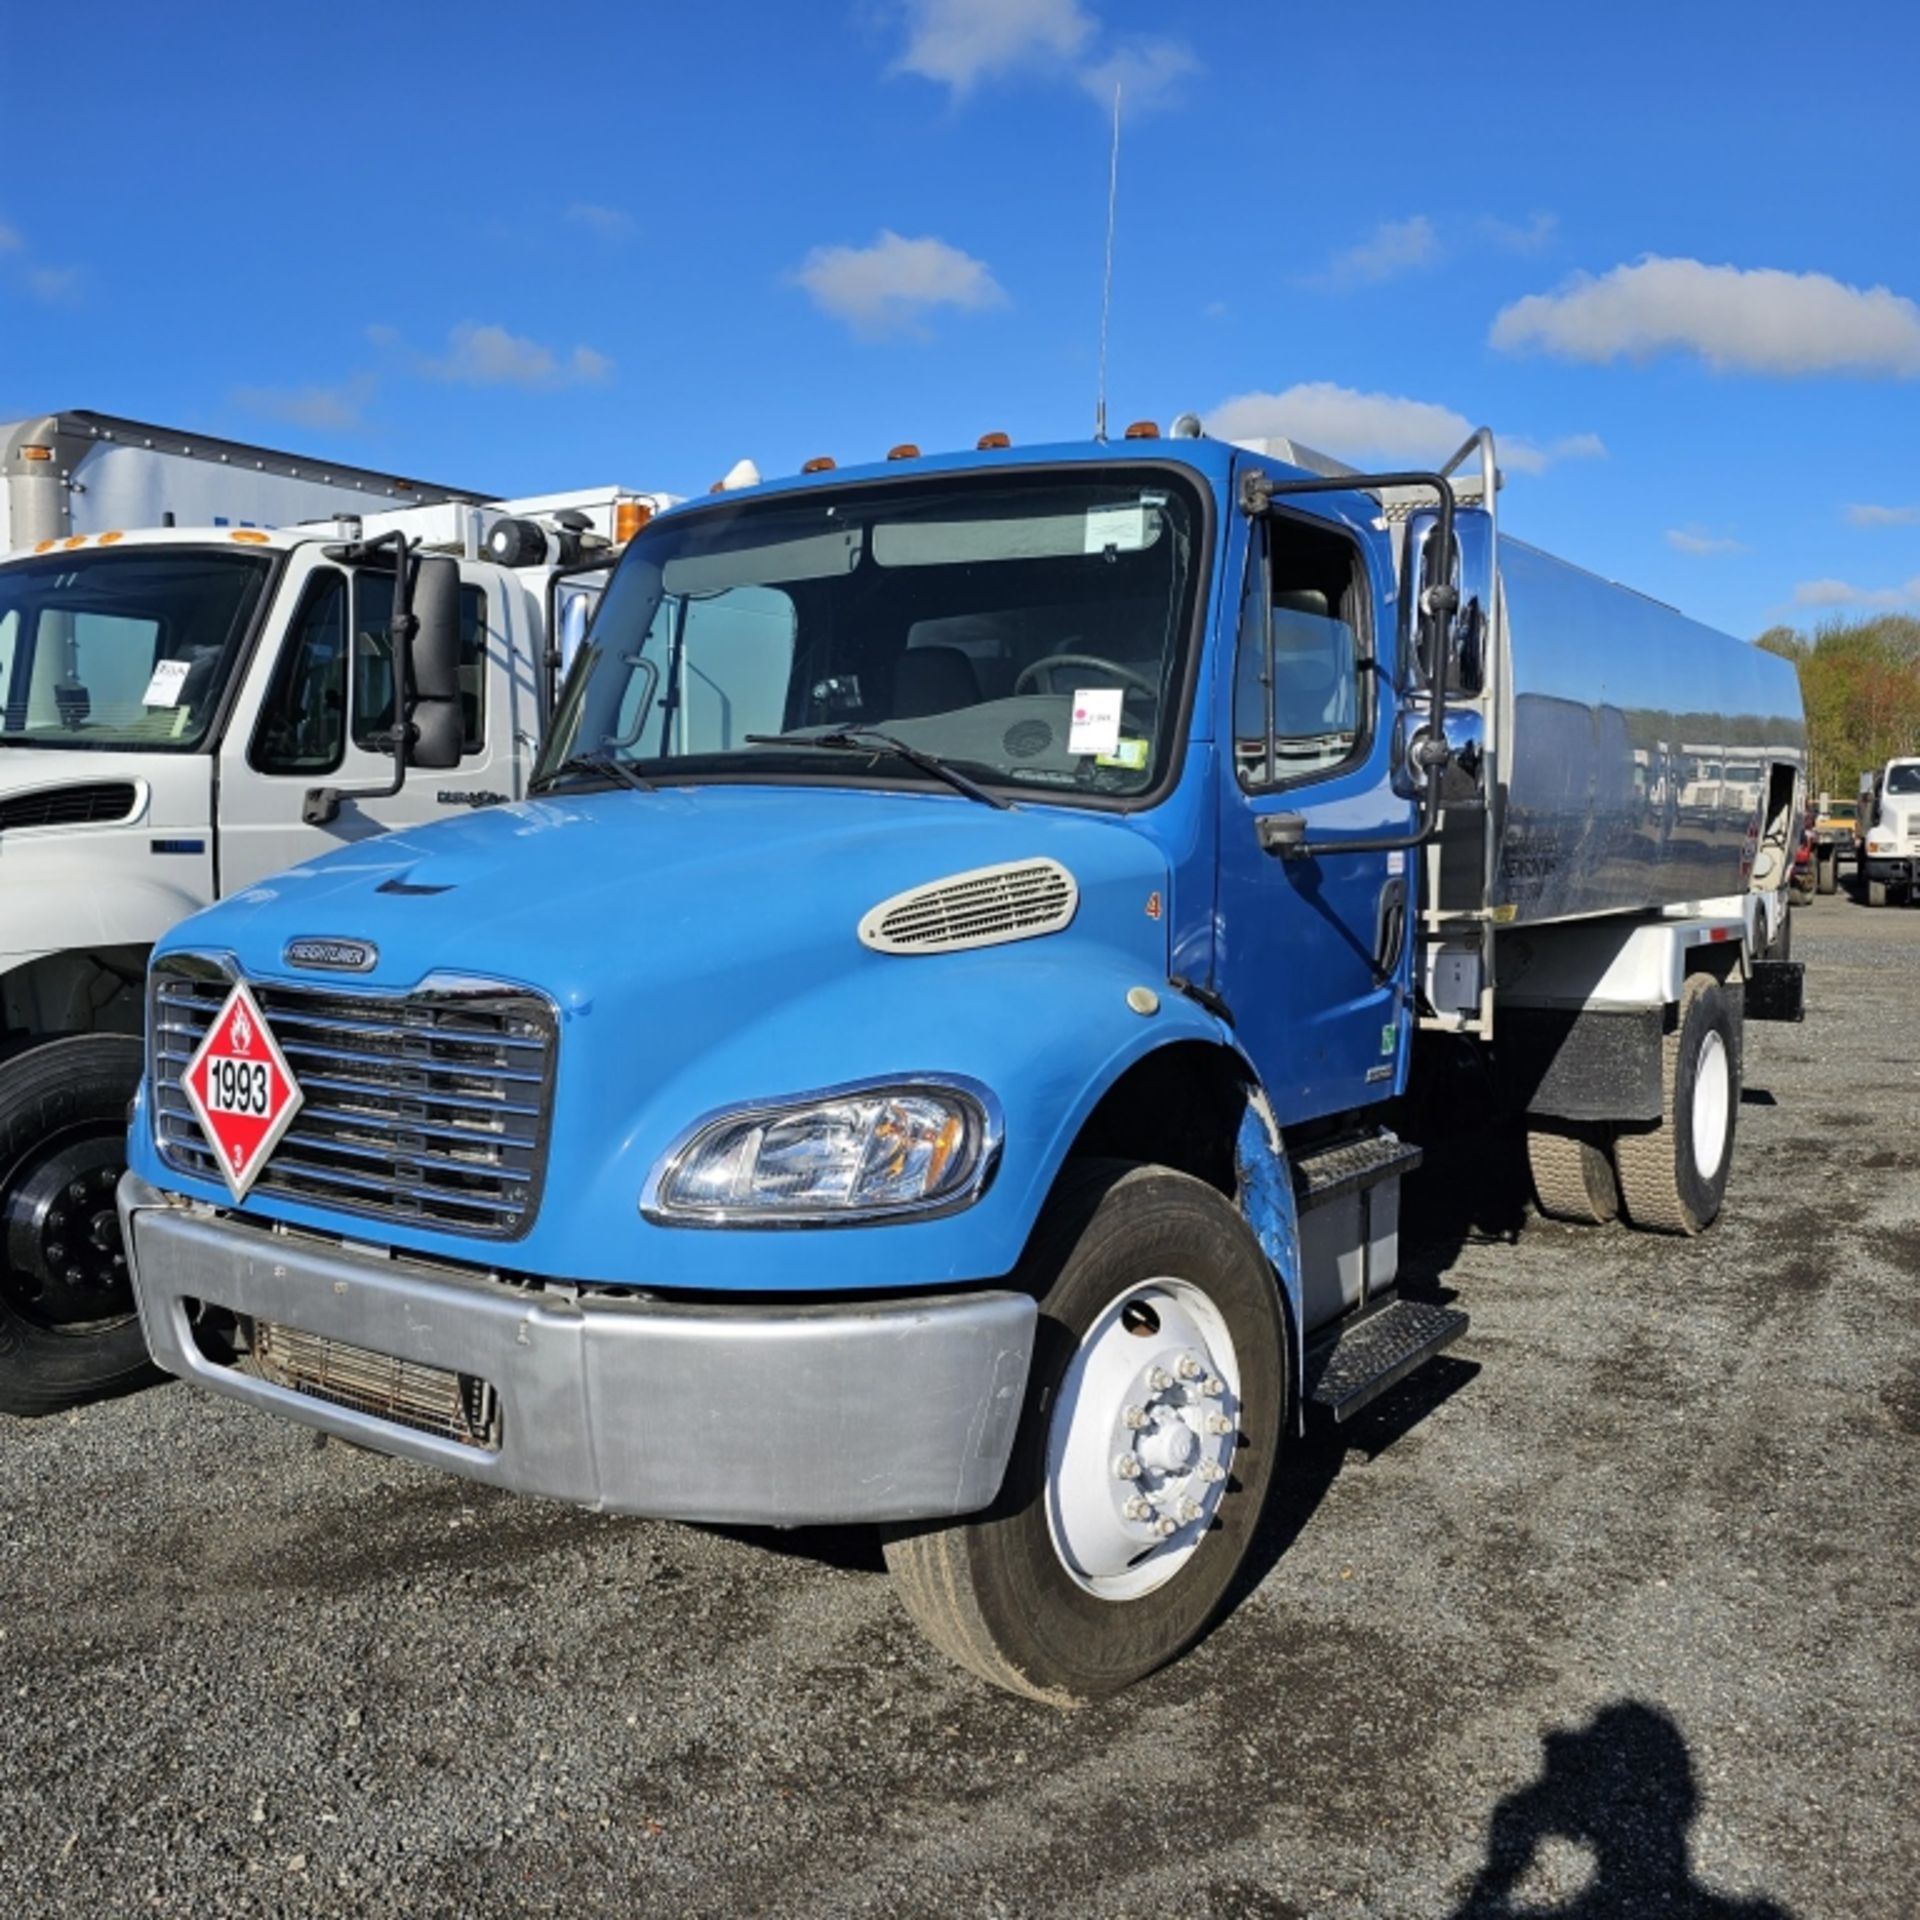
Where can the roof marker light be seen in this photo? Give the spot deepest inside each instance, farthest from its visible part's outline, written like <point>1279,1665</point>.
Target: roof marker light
<point>74,540</point>
<point>43,546</point>
<point>906,450</point>
<point>820,463</point>
<point>249,536</point>
<point>107,539</point>
<point>1143,430</point>
<point>629,516</point>
<point>989,441</point>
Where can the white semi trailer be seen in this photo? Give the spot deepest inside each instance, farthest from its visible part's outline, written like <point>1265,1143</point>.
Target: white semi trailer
<point>184,711</point>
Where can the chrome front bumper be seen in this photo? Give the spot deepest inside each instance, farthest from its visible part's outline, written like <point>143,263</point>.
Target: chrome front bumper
<point>784,1416</point>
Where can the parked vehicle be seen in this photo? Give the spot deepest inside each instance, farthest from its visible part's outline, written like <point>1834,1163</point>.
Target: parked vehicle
<point>183,712</point>
<point>1833,839</point>
<point>1889,825</point>
<point>88,473</point>
<point>959,1090</point>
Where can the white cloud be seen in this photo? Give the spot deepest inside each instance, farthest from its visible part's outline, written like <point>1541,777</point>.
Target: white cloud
<point>1748,320</point>
<point>1535,234</point>
<point>1393,247</point>
<point>1871,516</point>
<point>328,409</point>
<point>1389,427</point>
<point>1697,540</point>
<point>1147,72</point>
<point>961,42</point>
<point>889,286</point>
<point>608,223</point>
<point>1843,593</point>
<point>10,240</point>
<point>55,286</point>
<point>490,356</point>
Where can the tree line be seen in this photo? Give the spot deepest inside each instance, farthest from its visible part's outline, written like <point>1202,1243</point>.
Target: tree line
<point>1860,683</point>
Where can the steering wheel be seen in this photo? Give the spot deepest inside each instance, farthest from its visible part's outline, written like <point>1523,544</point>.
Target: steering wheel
<point>1151,688</point>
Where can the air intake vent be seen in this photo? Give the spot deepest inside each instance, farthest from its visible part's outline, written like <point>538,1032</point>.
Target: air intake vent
<point>1018,901</point>
<point>99,803</point>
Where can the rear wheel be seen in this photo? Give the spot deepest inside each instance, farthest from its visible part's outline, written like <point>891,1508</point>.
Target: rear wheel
<point>1572,1177</point>
<point>68,1328</point>
<point>1155,1409</point>
<point>1826,878</point>
<point>1674,1177</point>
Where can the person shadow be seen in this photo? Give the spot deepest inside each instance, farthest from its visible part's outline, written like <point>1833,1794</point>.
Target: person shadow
<point>1622,1790</point>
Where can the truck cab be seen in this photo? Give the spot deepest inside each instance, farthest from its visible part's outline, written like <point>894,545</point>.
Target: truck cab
<point>184,712</point>
<point>1889,833</point>
<point>932,1046</point>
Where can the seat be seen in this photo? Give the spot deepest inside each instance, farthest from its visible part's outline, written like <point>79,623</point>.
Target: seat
<point>933,680</point>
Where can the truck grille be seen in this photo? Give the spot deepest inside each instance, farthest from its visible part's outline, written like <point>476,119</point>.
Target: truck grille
<point>450,1406</point>
<point>428,1108</point>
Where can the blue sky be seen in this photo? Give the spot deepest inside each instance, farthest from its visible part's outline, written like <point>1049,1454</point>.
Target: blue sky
<point>1671,253</point>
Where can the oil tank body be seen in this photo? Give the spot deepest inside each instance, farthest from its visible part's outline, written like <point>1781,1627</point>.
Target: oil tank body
<point>1612,706</point>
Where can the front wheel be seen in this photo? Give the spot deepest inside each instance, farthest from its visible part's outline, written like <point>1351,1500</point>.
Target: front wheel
<point>68,1328</point>
<point>1876,891</point>
<point>1826,874</point>
<point>1155,1409</point>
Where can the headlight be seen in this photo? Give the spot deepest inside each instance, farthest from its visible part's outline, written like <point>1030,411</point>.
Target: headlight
<point>1879,843</point>
<point>874,1151</point>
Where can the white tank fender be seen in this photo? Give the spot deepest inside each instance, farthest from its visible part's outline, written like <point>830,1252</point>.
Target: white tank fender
<point>1599,966</point>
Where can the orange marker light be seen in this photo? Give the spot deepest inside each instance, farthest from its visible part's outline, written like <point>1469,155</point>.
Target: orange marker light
<point>107,539</point>
<point>628,518</point>
<point>989,441</point>
<point>74,540</point>
<point>249,535</point>
<point>820,463</point>
<point>906,450</point>
<point>43,546</point>
<point>1143,430</point>
<point>36,453</point>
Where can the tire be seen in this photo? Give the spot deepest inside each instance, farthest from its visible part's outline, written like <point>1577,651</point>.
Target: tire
<point>1124,1256</point>
<point>1572,1177</point>
<point>1673,1177</point>
<point>1876,893</point>
<point>68,1328</point>
<point>1826,874</point>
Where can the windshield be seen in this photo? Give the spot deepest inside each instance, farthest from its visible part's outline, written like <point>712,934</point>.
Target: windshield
<point>1904,780</point>
<point>1029,631</point>
<point>122,650</point>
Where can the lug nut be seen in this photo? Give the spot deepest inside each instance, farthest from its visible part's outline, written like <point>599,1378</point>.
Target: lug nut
<point>1134,1419</point>
<point>77,1190</point>
<point>1212,1387</point>
<point>1165,1527</point>
<point>1127,1467</point>
<point>1189,1511</point>
<point>1137,1509</point>
<point>1189,1368</point>
<point>1212,1470</point>
<point>1218,1424</point>
<point>1159,1379</point>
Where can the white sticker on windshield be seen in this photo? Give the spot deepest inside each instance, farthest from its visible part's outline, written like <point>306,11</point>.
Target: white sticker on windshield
<point>1121,527</point>
<point>163,690</point>
<point>1096,720</point>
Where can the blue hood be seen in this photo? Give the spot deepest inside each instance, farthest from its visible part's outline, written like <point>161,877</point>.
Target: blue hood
<point>701,945</point>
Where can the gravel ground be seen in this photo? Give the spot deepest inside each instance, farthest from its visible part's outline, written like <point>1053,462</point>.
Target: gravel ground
<point>1611,1612</point>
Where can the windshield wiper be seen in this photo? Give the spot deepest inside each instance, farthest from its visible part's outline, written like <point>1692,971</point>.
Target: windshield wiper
<point>600,762</point>
<point>875,740</point>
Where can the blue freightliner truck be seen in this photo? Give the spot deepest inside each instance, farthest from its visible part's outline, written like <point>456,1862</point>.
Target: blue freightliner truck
<point>935,1048</point>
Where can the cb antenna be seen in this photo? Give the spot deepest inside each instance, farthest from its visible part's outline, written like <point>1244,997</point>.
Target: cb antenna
<point>1106,279</point>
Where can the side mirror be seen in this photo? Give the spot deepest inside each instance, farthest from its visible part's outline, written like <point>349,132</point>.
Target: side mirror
<point>433,678</point>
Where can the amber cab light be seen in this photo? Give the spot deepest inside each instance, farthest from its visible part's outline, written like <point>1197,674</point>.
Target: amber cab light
<point>906,450</point>
<point>1143,430</point>
<point>629,516</point>
<point>989,441</point>
<point>820,463</point>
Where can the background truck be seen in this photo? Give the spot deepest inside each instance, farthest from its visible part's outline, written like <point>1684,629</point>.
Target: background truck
<point>82,472</point>
<point>183,712</point>
<point>937,1046</point>
<point>1833,841</point>
<point>1887,832</point>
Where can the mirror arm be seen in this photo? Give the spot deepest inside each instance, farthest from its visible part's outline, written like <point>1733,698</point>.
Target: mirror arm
<point>321,806</point>
<point>1437,604</point>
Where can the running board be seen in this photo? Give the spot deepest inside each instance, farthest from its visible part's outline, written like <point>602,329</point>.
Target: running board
<point>1327,1173</point>
<point>1367,1356</point>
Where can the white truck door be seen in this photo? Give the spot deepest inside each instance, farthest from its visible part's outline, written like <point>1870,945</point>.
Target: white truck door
<point>317,703</point>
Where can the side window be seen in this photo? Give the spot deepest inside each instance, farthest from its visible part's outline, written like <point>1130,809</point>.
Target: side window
<point>1297,707</point>
<point>9,651</point>
<point>373,664</point>
<point>303,725</point>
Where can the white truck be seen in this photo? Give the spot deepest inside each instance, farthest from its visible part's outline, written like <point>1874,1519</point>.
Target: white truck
<point>1887,832</point>
<point>184,711</point>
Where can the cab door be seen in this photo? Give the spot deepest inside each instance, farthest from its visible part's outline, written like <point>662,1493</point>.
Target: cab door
<point>1313,948</point>
<point>313,714</point>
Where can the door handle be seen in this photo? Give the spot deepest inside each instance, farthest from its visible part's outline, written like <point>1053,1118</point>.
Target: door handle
<point>1391,932</point>
<point>1282,833</point>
